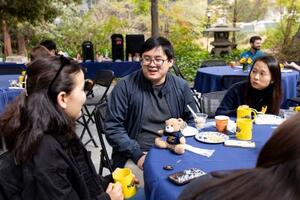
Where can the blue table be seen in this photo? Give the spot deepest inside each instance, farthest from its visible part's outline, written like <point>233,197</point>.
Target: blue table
<point>5,65</point>
<point>157,186</point>
<point>120,69</point>
<point>208,79</point>
<point>4,79</point>
<point>7,95</point>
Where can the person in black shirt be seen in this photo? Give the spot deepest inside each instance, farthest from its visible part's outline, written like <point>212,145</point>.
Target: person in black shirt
<point>263,88</point>
<point>45,158</point>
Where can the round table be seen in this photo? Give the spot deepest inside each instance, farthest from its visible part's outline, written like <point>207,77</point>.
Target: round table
<point>157,185</point>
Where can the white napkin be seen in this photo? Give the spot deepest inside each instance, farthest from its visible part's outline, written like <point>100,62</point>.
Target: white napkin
<point>203,152</point>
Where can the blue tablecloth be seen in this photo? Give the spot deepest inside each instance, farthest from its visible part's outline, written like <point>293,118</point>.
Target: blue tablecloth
<point>208,79</point>
<point>7,96</point>
<point>5,65</point>
<point>4,79</point>
<point>157,186</point>
<point>120,69</point>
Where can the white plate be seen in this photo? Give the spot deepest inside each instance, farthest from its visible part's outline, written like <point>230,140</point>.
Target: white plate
<point>268,119</point>
<point>189,131</point>
<point>20,88</point>
<point>239,66</point>
<point>211,137</point>
<point>286,70</point>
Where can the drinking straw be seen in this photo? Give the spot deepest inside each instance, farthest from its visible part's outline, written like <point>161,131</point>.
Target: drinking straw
<point>193,112</point>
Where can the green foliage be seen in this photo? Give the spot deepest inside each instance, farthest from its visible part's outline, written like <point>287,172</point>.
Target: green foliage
<point>189,55</point>
<point>141,6</point>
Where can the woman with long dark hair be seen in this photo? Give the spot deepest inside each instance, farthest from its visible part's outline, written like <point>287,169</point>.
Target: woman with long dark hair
<point>276,176</point>
<point>45,158</point>
<point>263,88</point>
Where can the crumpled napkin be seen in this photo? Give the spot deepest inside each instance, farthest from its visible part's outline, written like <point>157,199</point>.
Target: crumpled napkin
<point>203,152</point>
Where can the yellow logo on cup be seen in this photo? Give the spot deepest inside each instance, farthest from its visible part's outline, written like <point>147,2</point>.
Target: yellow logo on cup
<point>244,111</point>
<point>244,129</point>
<point>21,79</point>
<point>125,177</point>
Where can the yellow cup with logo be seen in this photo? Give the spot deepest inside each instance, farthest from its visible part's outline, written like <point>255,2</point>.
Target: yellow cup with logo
<point>244,111</point>
<point>244,129</point>
<point>125,177</point>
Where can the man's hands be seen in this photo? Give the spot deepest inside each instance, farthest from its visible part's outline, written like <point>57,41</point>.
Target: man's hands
<point>114,190</point>
<point>141,161</point>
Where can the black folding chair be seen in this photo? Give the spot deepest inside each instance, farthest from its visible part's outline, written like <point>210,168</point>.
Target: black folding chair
<point>211,101</point>
<point>213,63</point>
<point>99,116</point>
<point>293,101</point>
<point>4,70</point>
<point>103,81</point>
<point>228,80</point>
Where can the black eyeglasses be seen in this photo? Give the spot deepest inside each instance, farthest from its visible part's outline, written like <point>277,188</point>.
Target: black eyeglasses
<point>157,61</point>
<point>64,61</point>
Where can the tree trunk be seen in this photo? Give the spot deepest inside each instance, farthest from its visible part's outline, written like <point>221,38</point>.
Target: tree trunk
<point>21,44</point>
<point>154,18</point>
<point>7,39</point>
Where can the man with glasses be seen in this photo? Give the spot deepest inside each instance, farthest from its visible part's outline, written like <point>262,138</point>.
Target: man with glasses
<point>140,104</point>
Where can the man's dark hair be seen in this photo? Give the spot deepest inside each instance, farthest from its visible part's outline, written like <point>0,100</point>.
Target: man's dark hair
<point>254,38</point>
<point>155,42</point>
<point>49,44</point>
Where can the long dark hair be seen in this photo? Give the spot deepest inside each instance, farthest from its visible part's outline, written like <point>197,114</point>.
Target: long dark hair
<point>273,91</point>
<point>276,175</point>
<point>36,112</point>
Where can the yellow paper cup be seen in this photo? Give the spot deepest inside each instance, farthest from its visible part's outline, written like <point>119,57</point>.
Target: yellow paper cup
<point>244,111</point>
<point>125,177</point>
<point>244,129</point>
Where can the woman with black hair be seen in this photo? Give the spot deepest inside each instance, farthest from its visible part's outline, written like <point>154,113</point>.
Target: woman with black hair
<point>263,88</point>
<point>276,176</point>
<point>45,158</point>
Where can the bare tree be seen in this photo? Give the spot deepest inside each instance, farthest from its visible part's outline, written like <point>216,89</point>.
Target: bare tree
<point>154,18</point>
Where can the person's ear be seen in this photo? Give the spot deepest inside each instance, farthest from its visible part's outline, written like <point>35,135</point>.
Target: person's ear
<point>62,99</point>
<point>171,62</point>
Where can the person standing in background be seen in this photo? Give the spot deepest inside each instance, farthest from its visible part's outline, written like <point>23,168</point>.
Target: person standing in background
<point>50,45</point>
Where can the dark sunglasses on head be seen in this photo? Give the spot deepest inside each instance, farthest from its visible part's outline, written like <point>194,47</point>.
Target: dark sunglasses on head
<point>64,61</point>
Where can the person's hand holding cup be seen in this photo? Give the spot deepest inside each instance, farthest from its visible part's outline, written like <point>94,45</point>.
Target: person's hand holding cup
<point>200,120</point>
<point>221,123</point>
<point>125,177</point>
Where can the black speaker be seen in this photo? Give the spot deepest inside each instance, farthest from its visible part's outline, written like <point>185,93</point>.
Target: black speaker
<point>87,51</point>
<point>117,48</point>
<point>134,44</point>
